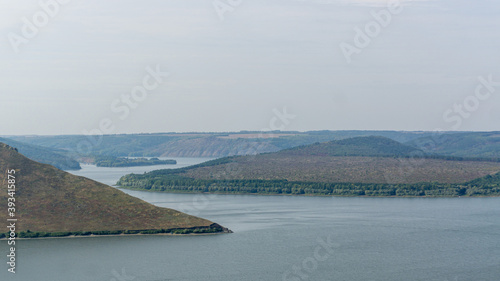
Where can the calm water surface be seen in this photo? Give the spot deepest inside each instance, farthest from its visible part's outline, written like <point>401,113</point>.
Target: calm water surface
<point>284,238</point>
<point>112,175</point>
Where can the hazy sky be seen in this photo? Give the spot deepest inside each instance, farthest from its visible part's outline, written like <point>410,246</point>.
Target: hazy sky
<point>66,68</point>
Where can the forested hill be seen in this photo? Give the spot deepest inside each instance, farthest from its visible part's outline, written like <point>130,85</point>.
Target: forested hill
<point>464,144</point>
<point>358,146</point>
<point>51,156</point>
<point>51,202</point>
<point>368,166</point>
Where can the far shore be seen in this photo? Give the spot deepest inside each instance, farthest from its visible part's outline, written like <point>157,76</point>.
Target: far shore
<point>302,195</point>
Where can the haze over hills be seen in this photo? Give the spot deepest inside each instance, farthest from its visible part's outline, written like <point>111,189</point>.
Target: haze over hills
<point>478,145</point>
<point>52,156</point>
<point>204,144</point>
<point>463,144</point>
<point>356,166</point>
<point>51,202</point>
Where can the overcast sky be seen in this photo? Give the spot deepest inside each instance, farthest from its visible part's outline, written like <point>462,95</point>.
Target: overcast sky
<point>66,68</point>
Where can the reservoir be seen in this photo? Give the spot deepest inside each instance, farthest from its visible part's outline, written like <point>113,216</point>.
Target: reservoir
<point>281,238</point>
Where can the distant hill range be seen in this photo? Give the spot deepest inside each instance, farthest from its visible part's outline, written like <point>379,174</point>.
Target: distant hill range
<point>203,144</point>
<point>50,202</point>
<point>53,156</point>
<point>453,144</point>
<point>371,166</point>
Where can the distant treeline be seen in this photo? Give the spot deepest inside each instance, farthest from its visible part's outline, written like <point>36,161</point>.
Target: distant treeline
<point>111,161</point>
<point>454,158</point>
<point>374,146</point>
<point>173,182</point>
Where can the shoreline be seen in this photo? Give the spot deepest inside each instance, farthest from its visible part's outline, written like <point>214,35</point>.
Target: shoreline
<point>302,195</point>
<point>118,235</point>
<point>214,228</point>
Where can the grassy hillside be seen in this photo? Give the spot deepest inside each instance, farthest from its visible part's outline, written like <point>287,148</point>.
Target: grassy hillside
<point>374,164</point>
<point>54,157</point>
<point>52,202</point>
<point>346,169</point>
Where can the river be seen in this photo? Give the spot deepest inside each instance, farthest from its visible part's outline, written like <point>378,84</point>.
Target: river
<point>282,238</point>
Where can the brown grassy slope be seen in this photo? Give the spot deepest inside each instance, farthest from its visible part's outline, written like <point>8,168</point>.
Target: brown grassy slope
<point>346,169</point>
<point>51,200</point>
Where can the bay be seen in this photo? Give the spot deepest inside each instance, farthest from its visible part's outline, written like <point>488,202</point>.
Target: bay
<point>110,175</point>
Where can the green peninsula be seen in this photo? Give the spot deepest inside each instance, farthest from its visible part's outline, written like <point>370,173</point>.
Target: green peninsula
<point>360,166</point>
<point>111,161</point>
